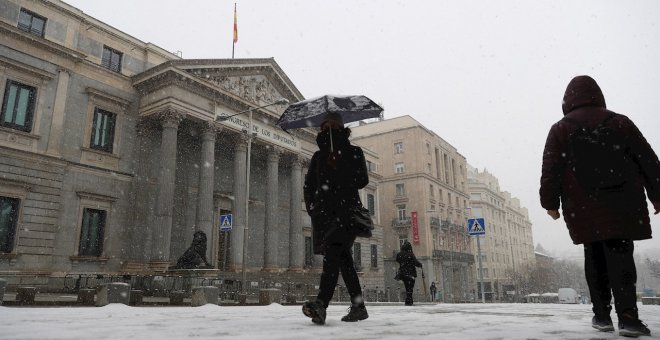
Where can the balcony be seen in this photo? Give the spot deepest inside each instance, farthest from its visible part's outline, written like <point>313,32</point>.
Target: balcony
<point>398,223</point>
<point>453,256</point>
<point>435,222</point>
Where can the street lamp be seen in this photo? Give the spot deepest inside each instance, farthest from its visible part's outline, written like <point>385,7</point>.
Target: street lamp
<point>250,134</point>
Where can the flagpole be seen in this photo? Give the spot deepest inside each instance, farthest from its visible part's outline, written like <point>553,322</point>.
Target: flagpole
<point>235,34</point>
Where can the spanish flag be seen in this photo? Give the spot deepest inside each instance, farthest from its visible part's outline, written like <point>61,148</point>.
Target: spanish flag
<point>235,25</point>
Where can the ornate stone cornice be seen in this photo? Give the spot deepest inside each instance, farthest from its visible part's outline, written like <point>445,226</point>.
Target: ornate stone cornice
<point>94,93</point>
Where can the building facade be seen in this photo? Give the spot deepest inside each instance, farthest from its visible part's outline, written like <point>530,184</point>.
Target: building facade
<point>508,247</point>
<point>424,200</point>
<point>114,152</point>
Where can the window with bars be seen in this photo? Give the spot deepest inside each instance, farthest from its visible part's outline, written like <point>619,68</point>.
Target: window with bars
<point>111,59</point>
<point>357,256</point>
<point>8,221</point>
<point>91,232</point>
<point>371,204</point>
<point>374,256</point>
<point>31,22</point>
<point>103,130</point>
<point>309,252</point>
<point>18,106</point>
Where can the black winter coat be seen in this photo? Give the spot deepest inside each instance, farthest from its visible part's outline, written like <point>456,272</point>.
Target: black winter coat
<point>331,187</point>
<point>407,262</point>
<point>620,214</point>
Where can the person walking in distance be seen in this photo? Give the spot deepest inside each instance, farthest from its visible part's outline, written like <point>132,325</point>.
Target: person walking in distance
<point>433,290</point>
<point>596,167</point>
<point>335,174</point>
<point>407,272</point>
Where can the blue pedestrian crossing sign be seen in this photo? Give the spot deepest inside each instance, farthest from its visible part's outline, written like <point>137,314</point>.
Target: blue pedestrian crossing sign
<point>476,226</point>
<point>225,222</point>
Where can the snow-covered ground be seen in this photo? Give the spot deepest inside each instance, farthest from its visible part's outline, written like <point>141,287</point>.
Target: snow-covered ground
<point>442,321</point>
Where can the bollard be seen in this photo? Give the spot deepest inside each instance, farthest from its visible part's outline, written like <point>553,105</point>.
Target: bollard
<point>204,295</point>
<point>86,296</point>
<point>114,292</point>
<point>176,297</point>
<point>3,285</point>
<point>135,297</point>
<point>25,295</point>
<point>269,295</point>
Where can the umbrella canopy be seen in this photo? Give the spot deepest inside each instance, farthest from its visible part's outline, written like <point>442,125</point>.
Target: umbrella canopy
<point>311,112</point>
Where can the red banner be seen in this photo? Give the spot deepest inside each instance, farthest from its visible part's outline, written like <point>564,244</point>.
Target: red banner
<point>415,227</point>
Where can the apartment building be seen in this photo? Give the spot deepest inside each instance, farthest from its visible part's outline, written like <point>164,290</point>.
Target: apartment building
<point>508,246</point>
<point>423,200</point>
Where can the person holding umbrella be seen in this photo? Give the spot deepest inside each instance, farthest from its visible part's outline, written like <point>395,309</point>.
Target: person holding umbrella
<point>336,172</point>
<point>407,272</point>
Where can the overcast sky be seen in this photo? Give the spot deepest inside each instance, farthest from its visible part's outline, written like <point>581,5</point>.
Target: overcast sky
<point>487,76</point>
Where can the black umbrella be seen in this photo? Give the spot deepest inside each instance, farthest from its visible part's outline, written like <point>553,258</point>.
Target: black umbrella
<point>311,112</point>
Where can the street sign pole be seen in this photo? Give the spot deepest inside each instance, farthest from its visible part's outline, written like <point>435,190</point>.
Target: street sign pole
<point>477,227</point>
<point>481,271</point>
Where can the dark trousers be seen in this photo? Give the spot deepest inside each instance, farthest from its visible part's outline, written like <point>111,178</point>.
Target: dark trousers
<point>338,257</point>
<point>610,268</point>
<point>409,283</point>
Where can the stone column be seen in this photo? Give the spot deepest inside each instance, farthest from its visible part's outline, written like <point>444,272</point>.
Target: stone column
<point>271,239</point>
<point>204,220</point>
<point>296,238</point>
<point>238,205</point>
<point>160,251</point>
<point>57,123</point>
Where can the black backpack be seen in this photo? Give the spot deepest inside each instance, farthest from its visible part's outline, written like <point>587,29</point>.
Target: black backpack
<point>597,156</point>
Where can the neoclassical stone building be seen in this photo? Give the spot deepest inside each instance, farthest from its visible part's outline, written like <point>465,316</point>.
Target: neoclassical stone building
<point>113,152</point>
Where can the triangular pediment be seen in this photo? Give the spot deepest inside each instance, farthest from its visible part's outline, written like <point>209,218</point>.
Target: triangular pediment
<point>258,81</point>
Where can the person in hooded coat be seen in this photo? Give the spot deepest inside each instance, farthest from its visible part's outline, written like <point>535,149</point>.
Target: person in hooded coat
<point>336,172</point>
<point>407,272</point>
<point>608,222</point>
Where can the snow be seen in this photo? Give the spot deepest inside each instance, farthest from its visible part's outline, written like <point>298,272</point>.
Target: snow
<point>391,321</point>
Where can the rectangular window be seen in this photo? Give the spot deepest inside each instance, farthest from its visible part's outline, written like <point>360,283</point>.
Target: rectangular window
<point>400,189</point>
<point>8,221</point>
<point>398,147</point>
<point>18,106</point>
<point>111,59</point>
<point>399,168</point>
<point>374,256</point>
<point>371,167</point>
<point>401,212</point>
<point>428,149</point>
<point>31,23</point>
<point>91,233</point>
<point>309,252</point>
<point>371,204</point>
<point>103,130</point>
<point>431,190</point>
<point>357,256</point>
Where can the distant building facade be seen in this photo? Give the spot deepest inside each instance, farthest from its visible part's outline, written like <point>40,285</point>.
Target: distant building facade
<point>112,156</point>
<point>423,200</point>
<point>508,247</point>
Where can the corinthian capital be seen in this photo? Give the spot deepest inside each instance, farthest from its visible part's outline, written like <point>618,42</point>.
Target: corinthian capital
<point>208,129</point>
<point>170,118</point>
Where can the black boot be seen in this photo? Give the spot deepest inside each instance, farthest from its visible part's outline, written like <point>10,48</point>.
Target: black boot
<point>356,312</point>
<point>631,326</point>
<point>602,320</point>
<point>315,310</point>
<point>603,323</point>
